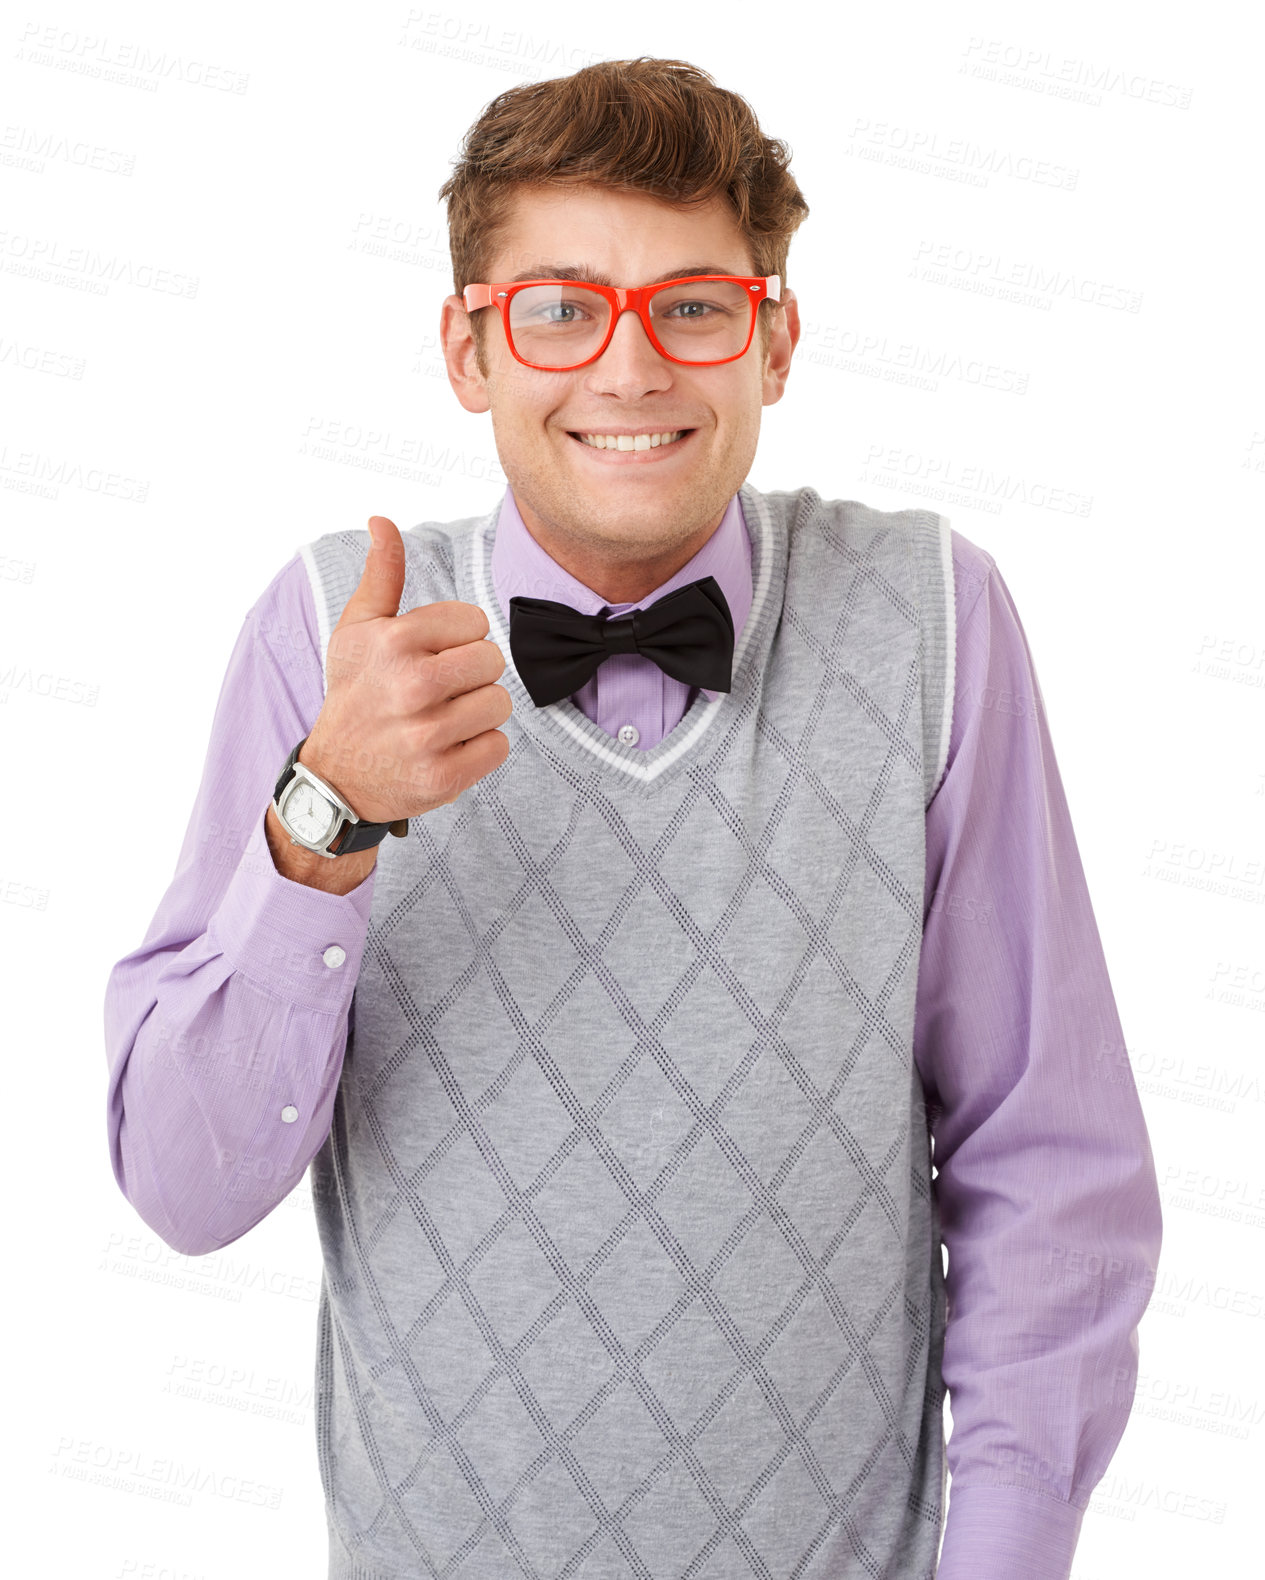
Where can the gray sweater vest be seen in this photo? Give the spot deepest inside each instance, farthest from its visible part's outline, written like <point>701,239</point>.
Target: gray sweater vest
<point>632,1265</point>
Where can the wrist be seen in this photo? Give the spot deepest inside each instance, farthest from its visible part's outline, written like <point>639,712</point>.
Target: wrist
<point>316,816</point>
<point>292,861</point>
<point>336,767</point>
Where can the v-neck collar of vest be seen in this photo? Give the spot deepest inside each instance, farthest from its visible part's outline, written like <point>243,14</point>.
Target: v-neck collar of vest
<point>564,727</point>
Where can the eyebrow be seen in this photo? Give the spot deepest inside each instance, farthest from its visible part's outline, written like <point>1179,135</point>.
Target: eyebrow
<point>581,272</point>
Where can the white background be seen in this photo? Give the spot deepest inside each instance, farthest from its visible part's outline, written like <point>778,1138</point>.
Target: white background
<point>274,260</point>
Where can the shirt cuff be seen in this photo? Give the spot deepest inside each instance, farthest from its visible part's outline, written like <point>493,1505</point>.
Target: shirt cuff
<point>996,1533</point>
<point>302,944</point>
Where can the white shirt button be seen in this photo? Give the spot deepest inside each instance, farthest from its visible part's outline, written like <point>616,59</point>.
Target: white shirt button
<point>629,734</point>
<point>334,956</point>
<point>289,1113</point>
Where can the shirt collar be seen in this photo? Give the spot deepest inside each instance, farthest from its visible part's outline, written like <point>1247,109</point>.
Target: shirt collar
<point>522,567</point>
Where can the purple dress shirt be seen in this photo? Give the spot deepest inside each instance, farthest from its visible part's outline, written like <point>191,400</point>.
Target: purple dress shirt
<point>234,1011</point>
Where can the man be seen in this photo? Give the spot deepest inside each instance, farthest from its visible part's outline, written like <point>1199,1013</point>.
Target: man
<point>728,870</point>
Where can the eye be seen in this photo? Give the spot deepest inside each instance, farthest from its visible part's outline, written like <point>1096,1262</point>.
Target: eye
<point>559,312</point>
<point>692,309</point>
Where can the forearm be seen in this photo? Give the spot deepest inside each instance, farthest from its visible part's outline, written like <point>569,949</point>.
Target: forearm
<point>223,1098</point>
<point>226,1047</point>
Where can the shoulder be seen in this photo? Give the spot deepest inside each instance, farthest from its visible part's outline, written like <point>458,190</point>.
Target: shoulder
<point>947,557</point>
<point>804,509</point>
<point>313,588</point>
<point>334,551</point>
<point>334,562</point>
<point>972,566</point>
<point>283,617</point>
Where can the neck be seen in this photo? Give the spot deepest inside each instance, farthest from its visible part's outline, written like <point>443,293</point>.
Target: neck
<point>619,572</point>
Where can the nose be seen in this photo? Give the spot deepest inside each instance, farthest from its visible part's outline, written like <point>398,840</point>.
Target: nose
<point>630,365</point>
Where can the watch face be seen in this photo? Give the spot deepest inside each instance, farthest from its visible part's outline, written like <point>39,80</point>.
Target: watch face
<point>308,813</point>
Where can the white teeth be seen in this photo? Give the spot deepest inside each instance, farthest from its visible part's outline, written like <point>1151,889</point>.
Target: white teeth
<point>630,441</point>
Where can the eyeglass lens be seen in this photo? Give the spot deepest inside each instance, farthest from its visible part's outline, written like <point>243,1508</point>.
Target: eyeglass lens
<point>556,326</point>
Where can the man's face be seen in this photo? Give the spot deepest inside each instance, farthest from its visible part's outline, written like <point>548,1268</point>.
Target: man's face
<point>615,518</point>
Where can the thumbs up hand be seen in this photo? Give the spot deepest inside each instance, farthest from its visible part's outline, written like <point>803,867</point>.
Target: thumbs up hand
<point>412,708</point>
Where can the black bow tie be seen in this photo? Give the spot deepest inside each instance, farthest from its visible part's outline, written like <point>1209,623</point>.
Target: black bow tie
<point>689,633</point>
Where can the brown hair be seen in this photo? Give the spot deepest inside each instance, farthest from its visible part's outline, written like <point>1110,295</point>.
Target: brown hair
<point>661,127</point>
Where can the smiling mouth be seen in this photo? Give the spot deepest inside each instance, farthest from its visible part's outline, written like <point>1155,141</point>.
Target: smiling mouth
<point>631,442</point>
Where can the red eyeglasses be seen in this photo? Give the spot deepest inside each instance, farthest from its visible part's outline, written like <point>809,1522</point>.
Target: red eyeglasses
<point>557,325</point>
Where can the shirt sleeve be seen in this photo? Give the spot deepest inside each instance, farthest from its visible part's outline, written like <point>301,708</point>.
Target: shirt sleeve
<point>226,1029</point>
<point>1045,1183</point>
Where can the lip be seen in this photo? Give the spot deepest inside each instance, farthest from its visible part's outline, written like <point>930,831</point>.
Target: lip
<point>632,457</point>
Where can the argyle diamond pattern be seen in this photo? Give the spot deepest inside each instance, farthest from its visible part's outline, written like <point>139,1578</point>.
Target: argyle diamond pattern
<point>631,1262</point>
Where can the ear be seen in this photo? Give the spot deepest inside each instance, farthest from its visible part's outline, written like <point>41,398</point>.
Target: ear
<point>457,339</point>
<point>783,338</point>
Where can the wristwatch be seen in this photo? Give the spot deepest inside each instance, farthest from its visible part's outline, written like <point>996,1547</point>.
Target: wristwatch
<point>314,814</point>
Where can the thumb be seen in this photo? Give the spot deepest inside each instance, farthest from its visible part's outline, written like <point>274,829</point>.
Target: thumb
<point>382,581</point>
